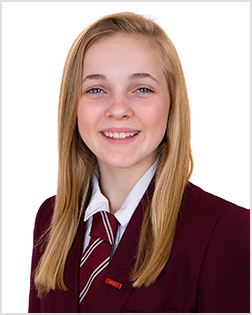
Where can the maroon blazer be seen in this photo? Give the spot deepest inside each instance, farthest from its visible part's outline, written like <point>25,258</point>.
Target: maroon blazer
<point>208,270</point>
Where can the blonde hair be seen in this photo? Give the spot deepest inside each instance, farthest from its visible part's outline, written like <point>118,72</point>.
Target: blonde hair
<point>76,161</point>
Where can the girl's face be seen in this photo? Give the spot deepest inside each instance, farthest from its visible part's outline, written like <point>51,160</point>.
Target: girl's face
<point>124,106</point>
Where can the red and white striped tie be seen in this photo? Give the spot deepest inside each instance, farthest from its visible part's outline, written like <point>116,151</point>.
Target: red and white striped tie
<point>96,258</point>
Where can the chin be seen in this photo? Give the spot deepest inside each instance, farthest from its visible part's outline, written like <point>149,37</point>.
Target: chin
<point>120,163</point>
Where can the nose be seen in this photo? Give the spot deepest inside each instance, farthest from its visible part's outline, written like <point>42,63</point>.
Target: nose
<point>119,107</point>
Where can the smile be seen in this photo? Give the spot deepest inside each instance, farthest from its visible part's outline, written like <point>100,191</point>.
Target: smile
<point>119,135</point>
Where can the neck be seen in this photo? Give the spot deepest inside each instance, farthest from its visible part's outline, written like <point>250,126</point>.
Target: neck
<point>116,183</point>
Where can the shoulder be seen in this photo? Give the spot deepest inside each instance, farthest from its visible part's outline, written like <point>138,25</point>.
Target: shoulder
<point>196,194</point>
<point>204,204</point>
<point>203,215</point>
<point>43,217</point>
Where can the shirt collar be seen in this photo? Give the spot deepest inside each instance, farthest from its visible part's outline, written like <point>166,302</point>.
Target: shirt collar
<point>99,202</point>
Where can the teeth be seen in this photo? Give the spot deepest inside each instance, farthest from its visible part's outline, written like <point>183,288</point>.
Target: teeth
<point>121,135</point>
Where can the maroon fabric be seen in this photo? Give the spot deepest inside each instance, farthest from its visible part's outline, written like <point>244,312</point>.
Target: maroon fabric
<point>95,258</point>
<point>208,270</point>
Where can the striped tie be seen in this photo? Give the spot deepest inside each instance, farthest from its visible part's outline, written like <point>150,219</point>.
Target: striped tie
<point>96,258</point>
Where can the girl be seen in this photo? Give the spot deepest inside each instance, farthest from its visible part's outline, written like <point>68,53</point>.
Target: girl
<point>124,154</point>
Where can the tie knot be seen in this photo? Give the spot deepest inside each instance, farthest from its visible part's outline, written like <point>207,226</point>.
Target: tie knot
<point>104,226</point>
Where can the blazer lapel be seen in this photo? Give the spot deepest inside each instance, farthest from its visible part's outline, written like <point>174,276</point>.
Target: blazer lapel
<point>68,301</point>
<point>109,298</point>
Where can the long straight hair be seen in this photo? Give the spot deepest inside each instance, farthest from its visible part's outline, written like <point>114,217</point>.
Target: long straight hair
<point>76,162</point>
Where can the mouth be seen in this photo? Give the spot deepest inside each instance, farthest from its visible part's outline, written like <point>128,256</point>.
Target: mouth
<point>119,135</point>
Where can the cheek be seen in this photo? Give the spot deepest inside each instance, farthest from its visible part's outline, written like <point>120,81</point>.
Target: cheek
<point>159,119</point>
<point>83,120</point>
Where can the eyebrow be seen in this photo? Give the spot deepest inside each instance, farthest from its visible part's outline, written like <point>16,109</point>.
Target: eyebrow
<point>131,77</point>
<point>94,77</point>
<point>142,76</point>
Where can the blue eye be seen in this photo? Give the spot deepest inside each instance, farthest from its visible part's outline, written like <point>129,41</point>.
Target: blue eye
<point>144,90</point>
<point>95,91</point>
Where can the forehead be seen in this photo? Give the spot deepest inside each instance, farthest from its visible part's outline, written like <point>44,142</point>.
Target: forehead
<point>121,49</point>
<point>120,38</point>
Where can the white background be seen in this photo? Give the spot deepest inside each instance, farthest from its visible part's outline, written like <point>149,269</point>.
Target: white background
<point>212,40</point>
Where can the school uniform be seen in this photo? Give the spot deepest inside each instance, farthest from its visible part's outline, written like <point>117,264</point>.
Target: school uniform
<point>208,270</point>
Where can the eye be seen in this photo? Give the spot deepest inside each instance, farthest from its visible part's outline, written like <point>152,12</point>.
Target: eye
<point>144,90</point>
<point>95,91</point>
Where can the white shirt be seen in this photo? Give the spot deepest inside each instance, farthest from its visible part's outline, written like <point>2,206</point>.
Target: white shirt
<point>99,202</point>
